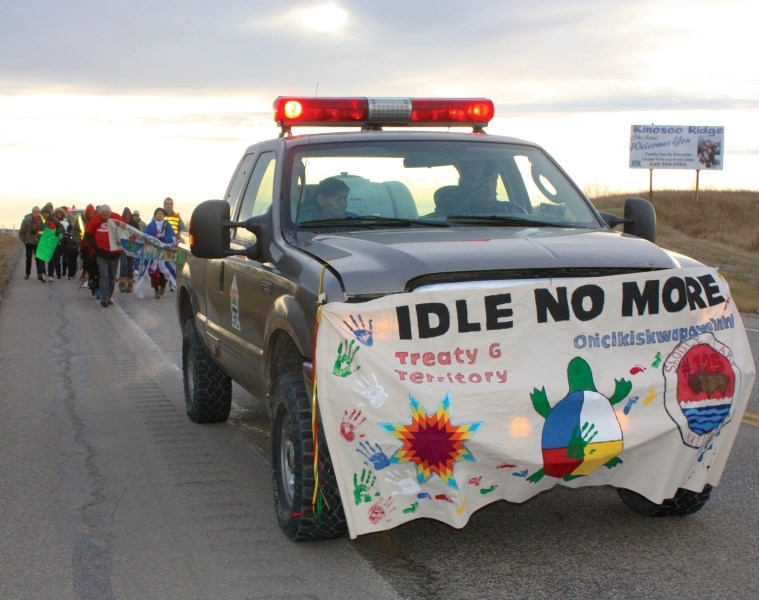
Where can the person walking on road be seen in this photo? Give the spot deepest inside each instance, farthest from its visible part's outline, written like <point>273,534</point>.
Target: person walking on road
<point>89,261</point>
<point>177,224</point>
<point>126,261</point>
<point>137,222</point>
<point>48,245</point>
<point>60,218</point>
<point>179,227</point>
<point>98,238</point>
<point>29,234</point>
<point>159,271</point>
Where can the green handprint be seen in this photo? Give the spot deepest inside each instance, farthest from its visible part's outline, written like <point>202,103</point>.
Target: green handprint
<point>346,353</point>
<point>580,439</point>
<point>362,488</point>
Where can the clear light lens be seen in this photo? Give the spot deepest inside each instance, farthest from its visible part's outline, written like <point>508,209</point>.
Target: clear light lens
<point>293,109</point>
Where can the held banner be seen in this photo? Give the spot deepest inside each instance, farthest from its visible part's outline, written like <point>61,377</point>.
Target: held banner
<point>437,403</point>
<point>676,147</point>
<point>138,244</point>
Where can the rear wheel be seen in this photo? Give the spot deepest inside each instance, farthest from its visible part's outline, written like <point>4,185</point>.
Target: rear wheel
<point>207,389</point>
<point>292,468</point>
<point>684,502</point>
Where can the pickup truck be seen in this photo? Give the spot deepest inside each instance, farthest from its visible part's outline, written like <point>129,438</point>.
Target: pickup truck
<point>406,194</point>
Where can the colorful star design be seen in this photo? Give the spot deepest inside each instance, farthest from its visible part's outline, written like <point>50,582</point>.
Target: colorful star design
<point>432,442</point>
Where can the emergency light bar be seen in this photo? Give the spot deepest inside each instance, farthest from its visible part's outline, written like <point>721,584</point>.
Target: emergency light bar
<point>372,113</point>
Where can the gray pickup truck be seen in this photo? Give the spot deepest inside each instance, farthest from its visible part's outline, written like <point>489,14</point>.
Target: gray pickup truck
<point>390,207</point>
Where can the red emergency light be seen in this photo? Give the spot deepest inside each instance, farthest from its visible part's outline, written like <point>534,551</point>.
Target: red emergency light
<point>373,113</point>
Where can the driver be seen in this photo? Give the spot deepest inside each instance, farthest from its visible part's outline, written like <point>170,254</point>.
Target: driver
<point>477,184</point>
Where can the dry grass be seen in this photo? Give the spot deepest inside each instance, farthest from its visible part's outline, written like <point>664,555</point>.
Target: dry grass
<point>721,230</point>
<point>9,253</point>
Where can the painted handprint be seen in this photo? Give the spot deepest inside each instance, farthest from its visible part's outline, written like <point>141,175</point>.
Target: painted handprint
<point>380,510</point>
<point>407,485</point>
<point>346,353</point>
<point>374,393</point>
<point>359,330</point>
<point>350,423</point>
<point>580,439</point>
<point>362,488</point>
<point>375,457</point>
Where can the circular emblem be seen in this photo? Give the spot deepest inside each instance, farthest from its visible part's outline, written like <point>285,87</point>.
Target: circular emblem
<point>700,377</point>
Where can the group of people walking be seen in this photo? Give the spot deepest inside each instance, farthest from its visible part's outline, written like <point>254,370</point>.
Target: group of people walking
<point>62,258</point>
<point>84,240</point>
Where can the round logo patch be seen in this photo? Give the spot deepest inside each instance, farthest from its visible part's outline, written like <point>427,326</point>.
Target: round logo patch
<point>700,376</point>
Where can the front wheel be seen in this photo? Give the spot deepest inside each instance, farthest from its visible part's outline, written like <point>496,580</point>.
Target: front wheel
<point>683,503</point>
<point>207,389</point>
<point>292,453</point>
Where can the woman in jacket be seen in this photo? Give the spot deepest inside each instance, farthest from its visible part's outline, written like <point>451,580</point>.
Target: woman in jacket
<point>158,270</point>
<point>29,234</point>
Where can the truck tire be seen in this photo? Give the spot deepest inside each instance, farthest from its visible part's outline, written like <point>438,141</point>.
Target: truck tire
<point>207,389</point>
<point>292,468</point>
<point>685,502</point>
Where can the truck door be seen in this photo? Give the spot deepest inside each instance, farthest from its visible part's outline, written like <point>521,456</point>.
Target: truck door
<point>214,268</point>
<point>244,299</point>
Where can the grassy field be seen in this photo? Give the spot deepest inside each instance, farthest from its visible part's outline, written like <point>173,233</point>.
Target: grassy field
<point>9,249</point>
<point>721,229</point>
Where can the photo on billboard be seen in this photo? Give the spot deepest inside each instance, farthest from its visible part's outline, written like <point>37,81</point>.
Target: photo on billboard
<point>676,147</point>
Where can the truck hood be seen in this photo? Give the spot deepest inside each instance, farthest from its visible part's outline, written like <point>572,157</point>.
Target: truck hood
<point>383,262</point>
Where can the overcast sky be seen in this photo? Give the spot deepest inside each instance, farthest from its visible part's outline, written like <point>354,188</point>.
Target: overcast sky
<point>132,100</point>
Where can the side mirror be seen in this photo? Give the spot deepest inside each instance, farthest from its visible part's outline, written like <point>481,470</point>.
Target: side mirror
<point>210,229</point>
<point>639,219</point>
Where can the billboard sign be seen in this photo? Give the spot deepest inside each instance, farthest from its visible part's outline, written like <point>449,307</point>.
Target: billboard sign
<point>676,147</point>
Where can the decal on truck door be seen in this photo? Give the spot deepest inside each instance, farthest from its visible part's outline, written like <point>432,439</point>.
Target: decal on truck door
<point>234,303</point>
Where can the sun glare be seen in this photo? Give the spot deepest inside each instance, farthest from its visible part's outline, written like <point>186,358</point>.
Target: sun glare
<point>324,17</point>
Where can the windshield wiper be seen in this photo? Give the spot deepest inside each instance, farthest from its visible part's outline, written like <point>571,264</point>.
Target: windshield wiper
<point>505,220</point>
<point>372,220</point>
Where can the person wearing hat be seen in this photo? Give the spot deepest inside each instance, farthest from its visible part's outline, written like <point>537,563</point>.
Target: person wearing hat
<point>52,222</point>
<point>70,248</point>
<point>29,233</point>
<point>136,221</point>
<point>99,239</point>
<point>89,261</point>
<point>57,265</point>
<point>158,270</point>
<point>126,261</point>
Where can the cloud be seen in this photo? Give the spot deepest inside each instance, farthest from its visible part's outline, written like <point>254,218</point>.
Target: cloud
<point>558,54</point>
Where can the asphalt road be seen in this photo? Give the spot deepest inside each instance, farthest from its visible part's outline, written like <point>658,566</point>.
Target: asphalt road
<point>108,491</point>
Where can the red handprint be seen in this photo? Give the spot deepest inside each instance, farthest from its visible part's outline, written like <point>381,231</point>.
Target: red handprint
<point>380,510</point>
<point>350,423</point>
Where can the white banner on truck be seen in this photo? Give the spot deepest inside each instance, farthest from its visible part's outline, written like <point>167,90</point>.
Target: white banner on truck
<point>437,403</point>
<point>676,147</point>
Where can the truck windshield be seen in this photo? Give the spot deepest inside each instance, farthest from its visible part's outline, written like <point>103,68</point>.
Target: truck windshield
<point>438,181</point>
